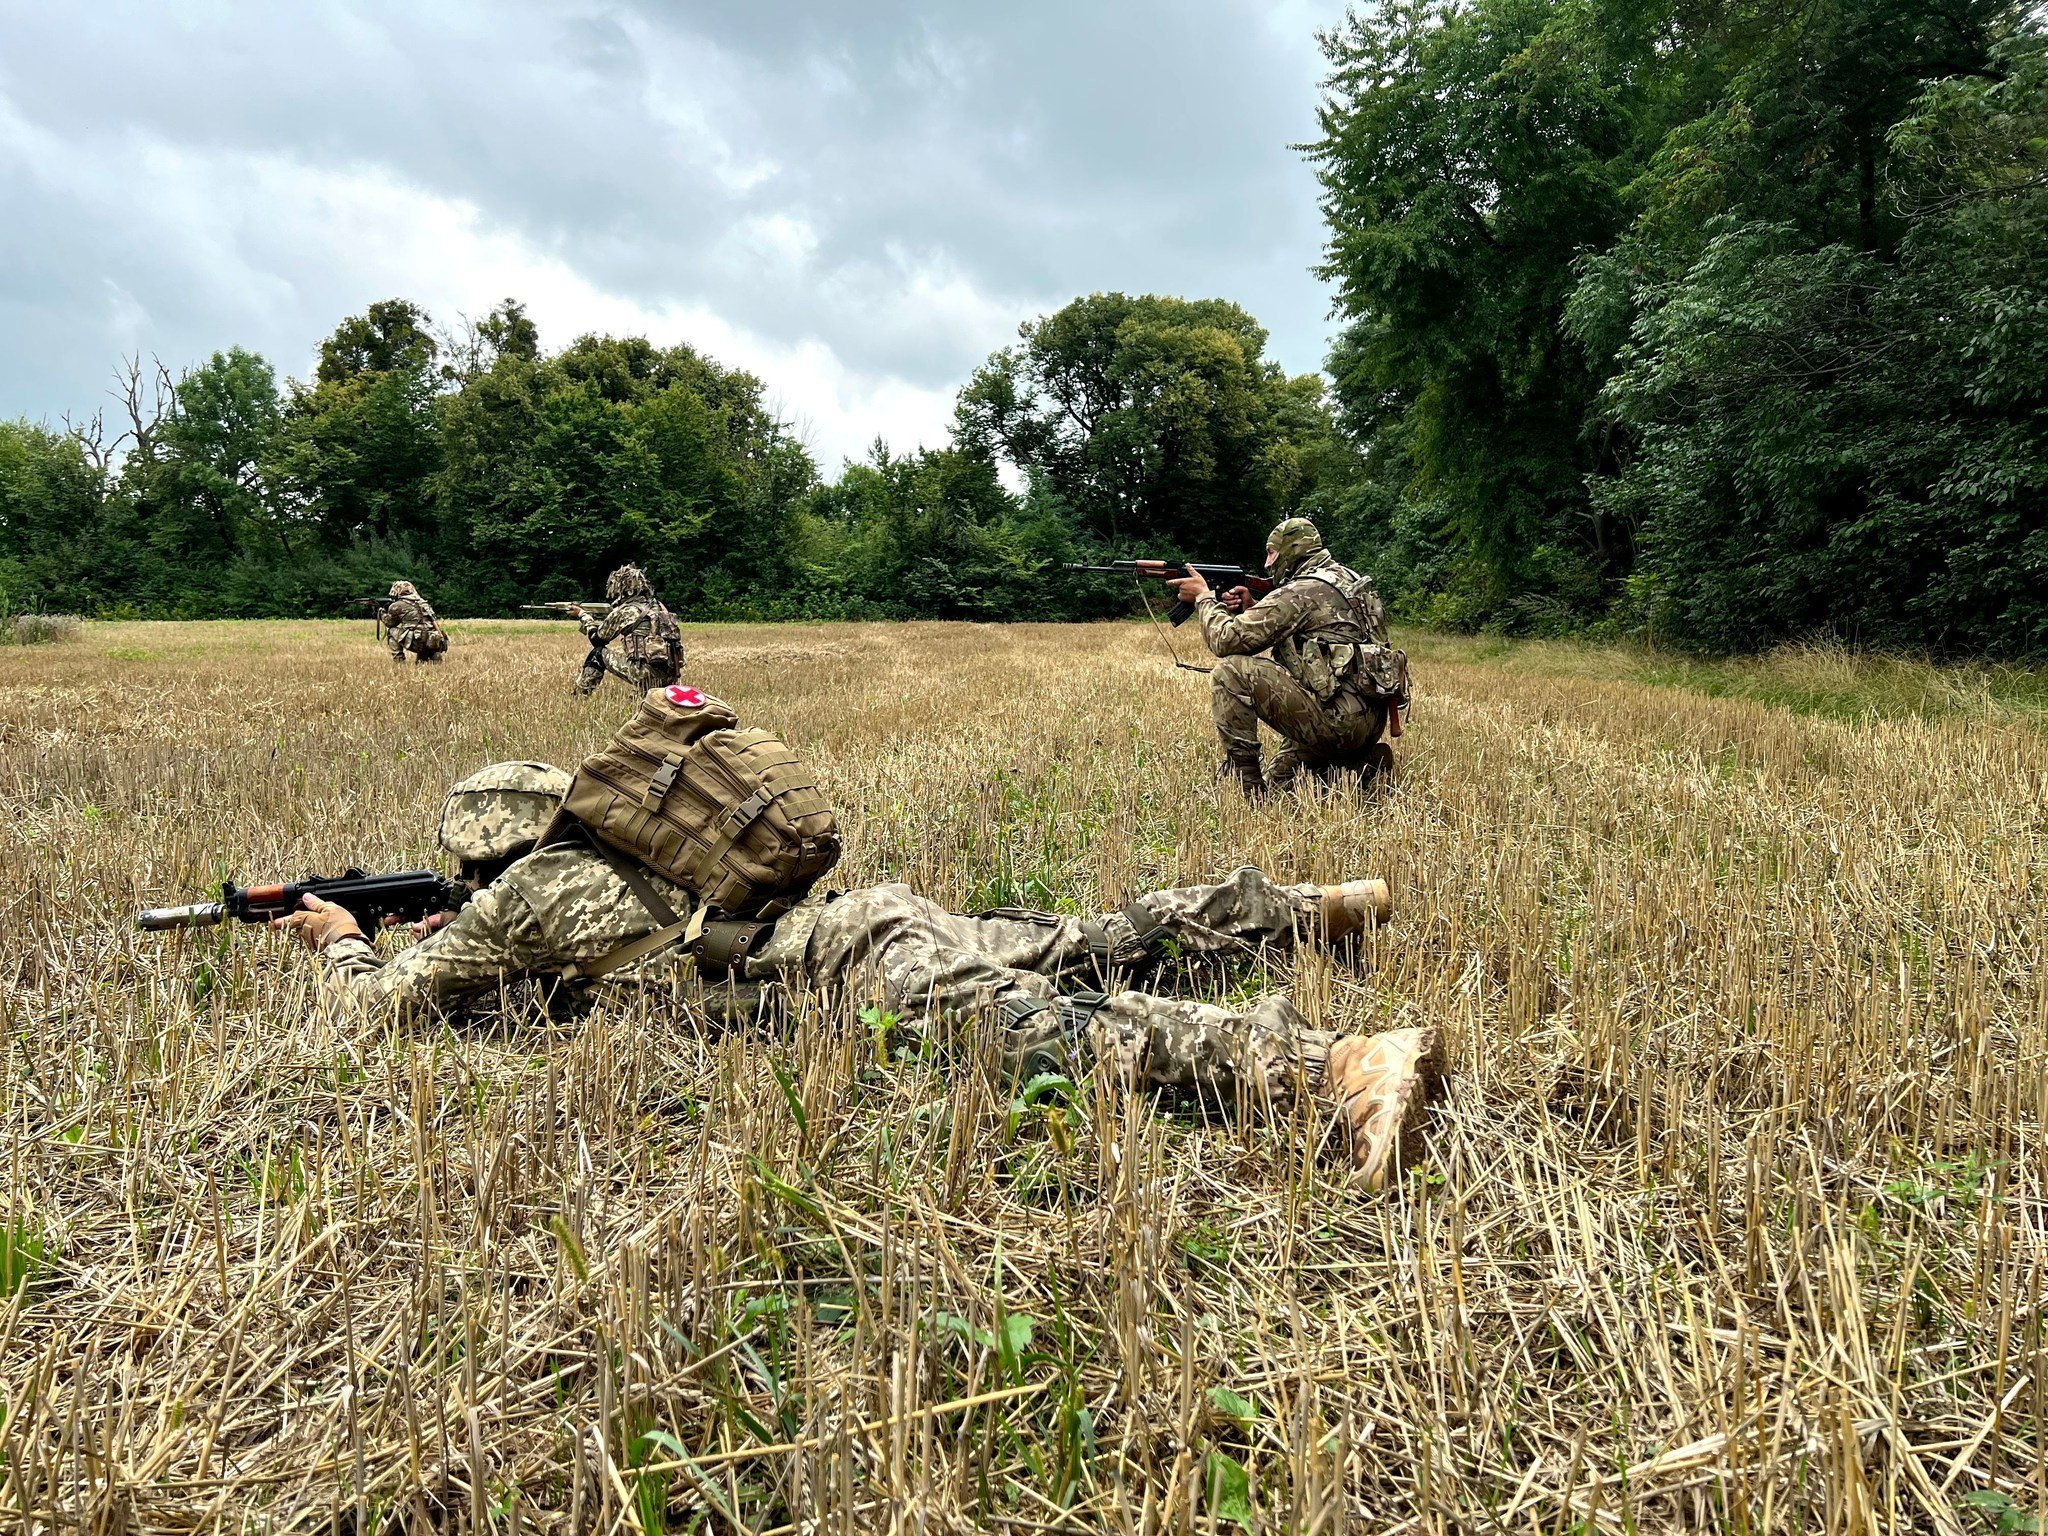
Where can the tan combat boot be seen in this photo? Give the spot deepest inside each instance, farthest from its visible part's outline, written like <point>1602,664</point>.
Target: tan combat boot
<point>1383,1084</point>
<point>1346,910</point>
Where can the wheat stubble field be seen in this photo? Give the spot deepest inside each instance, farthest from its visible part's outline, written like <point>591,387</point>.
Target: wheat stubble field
<point>1734,1216</point>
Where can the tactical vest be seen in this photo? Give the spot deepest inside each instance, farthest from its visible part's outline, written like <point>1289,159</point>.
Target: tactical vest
<point>1323,653</point>
<point>415,616</point>
<point>653,636</point>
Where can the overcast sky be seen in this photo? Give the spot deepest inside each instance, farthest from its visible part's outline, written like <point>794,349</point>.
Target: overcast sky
<point>857,200</point>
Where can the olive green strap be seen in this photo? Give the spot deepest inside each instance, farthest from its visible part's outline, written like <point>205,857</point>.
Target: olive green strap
<point>736,822</point>
<point>687,929</point>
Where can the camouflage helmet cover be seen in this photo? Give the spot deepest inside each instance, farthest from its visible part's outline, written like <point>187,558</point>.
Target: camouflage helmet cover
<point>627,581</point>
<point>1291,542</point>
<point>404,589</point>
<point>499,811</point>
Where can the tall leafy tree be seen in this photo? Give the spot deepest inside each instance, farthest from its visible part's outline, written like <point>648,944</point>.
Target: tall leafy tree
<point>1158,421</point>
<point>51,498</point>
<point>198,485</point>
<point>360,443</point>
<point>559,468</point>
<point>1831,438</point>
<point>1470,155</point>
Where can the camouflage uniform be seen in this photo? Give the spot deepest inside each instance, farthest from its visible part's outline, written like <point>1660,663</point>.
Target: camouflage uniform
<point>650,653</point>
<point>1033,976</point>
<point>412,627</point>
<point>1312,690</point>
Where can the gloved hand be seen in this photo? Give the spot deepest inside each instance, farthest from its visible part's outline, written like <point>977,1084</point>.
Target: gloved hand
<point>320,924</point>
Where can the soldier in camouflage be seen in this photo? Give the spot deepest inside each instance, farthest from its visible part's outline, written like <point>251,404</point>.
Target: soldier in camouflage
<point>650,646</point>
<point>1057,991</point>
<point>1318,689</point>
<point>411,627</point>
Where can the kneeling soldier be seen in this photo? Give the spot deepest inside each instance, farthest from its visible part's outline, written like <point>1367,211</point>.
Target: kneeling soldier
<point>411,626</point>
<point>650,646</point>
<point>1330,681</point>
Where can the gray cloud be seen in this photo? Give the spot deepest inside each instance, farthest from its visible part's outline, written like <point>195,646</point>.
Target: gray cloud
<point>858,202</point>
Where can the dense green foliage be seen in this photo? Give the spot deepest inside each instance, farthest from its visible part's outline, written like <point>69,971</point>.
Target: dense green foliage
<point>1723,322</point>
<point>1710,320</point>
<point>494,473</point>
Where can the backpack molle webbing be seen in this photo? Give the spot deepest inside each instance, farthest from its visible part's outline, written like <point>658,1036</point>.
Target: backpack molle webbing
<point>731,815</point>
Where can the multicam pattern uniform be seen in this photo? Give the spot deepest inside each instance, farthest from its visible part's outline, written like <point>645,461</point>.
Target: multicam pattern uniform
<point>644,658</point>
<point>1029,975</point>
<point>412,627</point>
<point>1311,691</point>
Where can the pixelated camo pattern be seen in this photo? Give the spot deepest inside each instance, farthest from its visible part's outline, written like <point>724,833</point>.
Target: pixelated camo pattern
<point>888,946</point>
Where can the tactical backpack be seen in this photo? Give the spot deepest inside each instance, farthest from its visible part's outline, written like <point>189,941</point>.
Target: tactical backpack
<point>730,815</point>
<point>669,636</point>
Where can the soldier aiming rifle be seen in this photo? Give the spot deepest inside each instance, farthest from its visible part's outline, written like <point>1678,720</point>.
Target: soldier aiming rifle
<point>1331,684</point>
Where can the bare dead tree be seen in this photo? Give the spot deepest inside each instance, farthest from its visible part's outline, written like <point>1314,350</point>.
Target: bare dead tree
<point>146,399</point>
<point>90,434</point>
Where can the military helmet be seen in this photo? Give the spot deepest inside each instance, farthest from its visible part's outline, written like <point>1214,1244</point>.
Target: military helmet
<point>628,581</point>
<point>1292,542</point>
<point>404,589</point>
<point>498,812</point>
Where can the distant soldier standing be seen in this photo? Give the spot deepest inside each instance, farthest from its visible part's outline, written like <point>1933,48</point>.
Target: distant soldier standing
<point>1331,681</point>
<point>650,645</point>
<point>411,626</point>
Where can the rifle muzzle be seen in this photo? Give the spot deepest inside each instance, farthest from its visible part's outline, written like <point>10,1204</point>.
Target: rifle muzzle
<point>202,915</point>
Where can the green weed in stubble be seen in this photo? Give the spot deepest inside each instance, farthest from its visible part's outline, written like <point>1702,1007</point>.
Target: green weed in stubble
<point>24,1254</point>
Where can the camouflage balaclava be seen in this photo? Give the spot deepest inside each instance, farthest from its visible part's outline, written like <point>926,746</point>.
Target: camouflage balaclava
<point>497,813</point>
<point>627,581</point>
<point>404,589</point>
<point>1292,542</point>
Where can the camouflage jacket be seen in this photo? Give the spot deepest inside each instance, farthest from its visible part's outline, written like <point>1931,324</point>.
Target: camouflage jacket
<point>560,907</point>
<point>1310,625</point>
<point>638,625</point>
<point>408,613</point>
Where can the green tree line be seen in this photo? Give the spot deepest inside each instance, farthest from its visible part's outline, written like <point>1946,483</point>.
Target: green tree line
<point>1725,322</point>
<point>1718,321</point>
<point>492,473</point>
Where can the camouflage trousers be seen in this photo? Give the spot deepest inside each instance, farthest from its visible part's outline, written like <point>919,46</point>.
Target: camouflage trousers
<point>1246,692</point>
<point>1051,986</point>
<point>415,640</point>
<point>637,675</point>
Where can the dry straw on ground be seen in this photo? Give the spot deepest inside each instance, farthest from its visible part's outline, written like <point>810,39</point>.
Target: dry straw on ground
<point>1734,1214</point>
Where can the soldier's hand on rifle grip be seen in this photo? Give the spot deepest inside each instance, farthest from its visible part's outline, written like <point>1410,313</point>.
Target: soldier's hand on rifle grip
<point>319,925</point>
<point>1237,599</point>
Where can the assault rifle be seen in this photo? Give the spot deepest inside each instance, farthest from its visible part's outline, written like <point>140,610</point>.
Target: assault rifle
<point>376,605</point>
<point>569,610</point>
<point>369,899</point>
<point>1221,579</point>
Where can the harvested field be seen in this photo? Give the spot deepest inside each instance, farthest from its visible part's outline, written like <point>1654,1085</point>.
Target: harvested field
<point>1735,1212</point>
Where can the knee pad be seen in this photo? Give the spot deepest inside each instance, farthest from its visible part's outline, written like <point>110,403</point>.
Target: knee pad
<point>1052,1049</point>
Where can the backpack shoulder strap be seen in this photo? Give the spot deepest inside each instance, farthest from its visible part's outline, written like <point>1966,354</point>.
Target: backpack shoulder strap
<point>671,927</point>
